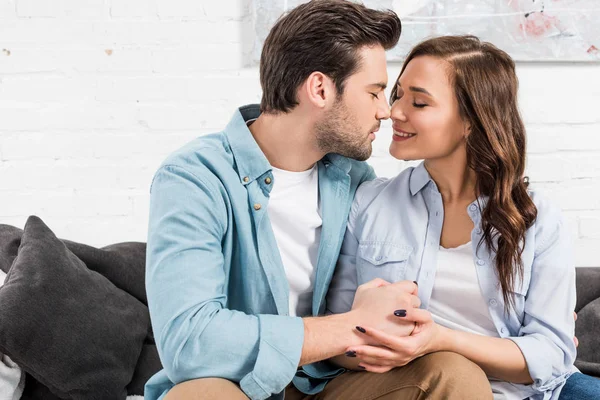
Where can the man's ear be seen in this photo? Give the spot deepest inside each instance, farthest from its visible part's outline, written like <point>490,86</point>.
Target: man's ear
<point>319,89</point>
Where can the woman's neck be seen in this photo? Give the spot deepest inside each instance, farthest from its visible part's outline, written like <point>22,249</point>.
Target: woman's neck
<point>455,180</point>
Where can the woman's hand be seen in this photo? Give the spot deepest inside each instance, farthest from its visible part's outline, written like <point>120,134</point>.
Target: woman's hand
<point>392,351</point>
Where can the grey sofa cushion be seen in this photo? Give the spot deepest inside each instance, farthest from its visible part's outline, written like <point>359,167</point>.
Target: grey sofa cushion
<point>122,263</point>
<point>587,327</point>
<point>67,326</point>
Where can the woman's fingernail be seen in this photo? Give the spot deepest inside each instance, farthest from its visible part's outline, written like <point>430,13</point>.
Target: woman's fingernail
<point>361,367</point>
<point>416,283</point>
<point>361,329</point>
<point>400,313</point>
<point>351,353</point>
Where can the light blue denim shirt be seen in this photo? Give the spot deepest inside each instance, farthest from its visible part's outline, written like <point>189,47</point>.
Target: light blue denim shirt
<point>217,289</point>
<point>393,233</point>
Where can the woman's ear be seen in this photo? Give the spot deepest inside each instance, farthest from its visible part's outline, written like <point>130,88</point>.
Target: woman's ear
<point>467,130</point>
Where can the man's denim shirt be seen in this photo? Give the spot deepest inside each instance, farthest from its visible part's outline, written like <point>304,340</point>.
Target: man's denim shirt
<point>394,233</point>
<point>217,289</point>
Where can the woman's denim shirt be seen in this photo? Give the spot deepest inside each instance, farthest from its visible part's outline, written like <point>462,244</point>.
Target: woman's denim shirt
<point>393,233</point>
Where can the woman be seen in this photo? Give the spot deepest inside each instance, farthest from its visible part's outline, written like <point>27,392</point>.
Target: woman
<point>491,257</point>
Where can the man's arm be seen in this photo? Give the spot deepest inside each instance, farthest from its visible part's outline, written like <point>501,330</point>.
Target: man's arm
<point>196,335</point>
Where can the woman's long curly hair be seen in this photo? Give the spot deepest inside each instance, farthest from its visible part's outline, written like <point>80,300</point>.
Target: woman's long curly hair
<point>485,85</point>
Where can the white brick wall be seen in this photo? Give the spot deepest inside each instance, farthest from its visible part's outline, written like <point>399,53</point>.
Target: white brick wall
<point>95,93</point>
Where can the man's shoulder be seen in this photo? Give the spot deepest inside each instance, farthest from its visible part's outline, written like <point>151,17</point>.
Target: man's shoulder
<point>204,154</point>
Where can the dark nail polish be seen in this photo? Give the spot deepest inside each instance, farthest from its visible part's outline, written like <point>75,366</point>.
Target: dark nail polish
<point>361,329</point>
<point>361,367</point>
<point>351,353</point>
<point>416,283</point>
<point>400,313</point>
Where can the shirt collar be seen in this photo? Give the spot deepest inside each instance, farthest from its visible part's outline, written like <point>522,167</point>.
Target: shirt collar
<point>419,178</point>
<point>339,161</point>
<point>249,158</point>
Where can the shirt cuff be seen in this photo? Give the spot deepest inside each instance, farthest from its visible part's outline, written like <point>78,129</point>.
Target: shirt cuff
<point>279,350</point>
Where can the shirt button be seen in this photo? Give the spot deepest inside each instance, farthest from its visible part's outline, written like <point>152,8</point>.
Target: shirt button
<point>503,330</point>
<point>378,258</point>
<point>472,207</point>
<point>268,180</point>
<point>246,179</point>
<point>480,262</point>
<point>493,303</point>
<point>257,206</point>
<point>478,231</point>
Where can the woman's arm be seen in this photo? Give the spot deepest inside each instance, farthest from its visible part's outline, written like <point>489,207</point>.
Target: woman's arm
<point>500,358</point>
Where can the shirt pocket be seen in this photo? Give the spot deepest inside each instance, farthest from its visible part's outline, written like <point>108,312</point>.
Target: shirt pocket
<point>383,260</point>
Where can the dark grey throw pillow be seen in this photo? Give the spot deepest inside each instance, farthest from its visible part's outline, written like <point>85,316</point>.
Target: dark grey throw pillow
<point>66,325</point>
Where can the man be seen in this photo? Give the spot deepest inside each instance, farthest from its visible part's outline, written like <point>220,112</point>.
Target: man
<point>246,226</point>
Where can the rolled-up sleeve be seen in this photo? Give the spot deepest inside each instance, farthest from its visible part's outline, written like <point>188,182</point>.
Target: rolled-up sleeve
<point>546,335</point>
<point>196,335</point>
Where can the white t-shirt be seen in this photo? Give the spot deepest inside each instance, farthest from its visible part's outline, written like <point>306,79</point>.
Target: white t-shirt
<point>457,303</point>
<point>294,214</point>
<point>456,274</point>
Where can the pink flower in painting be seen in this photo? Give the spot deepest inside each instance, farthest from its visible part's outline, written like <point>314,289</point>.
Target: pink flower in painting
<point>538,23</point>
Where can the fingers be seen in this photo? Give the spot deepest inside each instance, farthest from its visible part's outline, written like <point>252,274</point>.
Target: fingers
<point>415,301</point>
<point>374,355</point>
<point>417,315</point>
<point>576,341</point>
<point>377,282</point>
<point>381,337</point>
<point>407,286</point>
<point>574,315</point>
<point>379,369</point>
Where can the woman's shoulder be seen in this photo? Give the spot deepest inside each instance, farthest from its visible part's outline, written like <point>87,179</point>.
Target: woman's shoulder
<point>547,209</point>
<point>549,223</point>
<point>371,190</point>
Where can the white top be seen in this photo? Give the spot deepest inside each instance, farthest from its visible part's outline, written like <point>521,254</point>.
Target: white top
<point>455,275</point>
<point>294,213</point>
<point>457,303</point>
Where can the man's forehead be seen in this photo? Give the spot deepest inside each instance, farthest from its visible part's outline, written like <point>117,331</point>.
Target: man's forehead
<point>373,67</point>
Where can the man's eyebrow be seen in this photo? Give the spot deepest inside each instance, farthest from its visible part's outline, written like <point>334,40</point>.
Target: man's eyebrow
<point>381,85</point>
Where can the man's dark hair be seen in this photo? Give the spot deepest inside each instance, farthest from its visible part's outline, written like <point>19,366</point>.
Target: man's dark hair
<point>324,36</point>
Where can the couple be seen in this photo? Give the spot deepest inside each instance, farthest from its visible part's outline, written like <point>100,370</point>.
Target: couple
<point>278,265</point>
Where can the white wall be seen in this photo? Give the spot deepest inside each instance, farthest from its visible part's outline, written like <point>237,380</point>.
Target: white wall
<point>95,93</point>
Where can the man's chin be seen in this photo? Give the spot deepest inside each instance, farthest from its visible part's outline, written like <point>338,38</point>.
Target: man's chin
<point>358,155</point>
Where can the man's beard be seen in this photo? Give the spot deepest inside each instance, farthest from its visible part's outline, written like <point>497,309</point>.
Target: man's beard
<point>338,132</point>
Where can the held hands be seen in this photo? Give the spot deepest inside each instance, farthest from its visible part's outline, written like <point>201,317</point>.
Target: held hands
<point>400,335</point>
<point>391,351</point>
<point>406,333</point>
<point>375,303</point>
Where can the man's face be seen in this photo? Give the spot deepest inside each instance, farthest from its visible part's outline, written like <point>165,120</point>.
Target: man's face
<point>349,127</point>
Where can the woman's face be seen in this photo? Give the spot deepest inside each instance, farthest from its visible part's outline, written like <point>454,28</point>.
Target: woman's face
<point>425,116</point>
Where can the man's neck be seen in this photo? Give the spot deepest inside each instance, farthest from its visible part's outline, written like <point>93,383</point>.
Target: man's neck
<point>287,140</point>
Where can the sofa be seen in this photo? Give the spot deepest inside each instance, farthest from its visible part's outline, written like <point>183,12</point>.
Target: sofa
<point>75,319</point>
